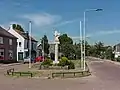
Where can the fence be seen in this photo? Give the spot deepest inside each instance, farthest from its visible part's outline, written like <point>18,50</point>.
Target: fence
<point>12,72</point>
<point>74,74</point>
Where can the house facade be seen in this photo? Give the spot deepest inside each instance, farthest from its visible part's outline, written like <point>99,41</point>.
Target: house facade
<point>8,46</point>
<point>39,50</point>
<point>116,50</point>
<point>23,44</point>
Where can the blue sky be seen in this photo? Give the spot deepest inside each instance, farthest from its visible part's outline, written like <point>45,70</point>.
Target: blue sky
<point>64,15</point>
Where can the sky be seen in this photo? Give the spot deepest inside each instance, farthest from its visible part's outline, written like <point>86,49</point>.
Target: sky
<point>64,16</point>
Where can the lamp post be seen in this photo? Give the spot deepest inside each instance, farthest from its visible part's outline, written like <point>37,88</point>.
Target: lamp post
<point>81,44</point>
<point>30,26</point>
<point>84,28</point>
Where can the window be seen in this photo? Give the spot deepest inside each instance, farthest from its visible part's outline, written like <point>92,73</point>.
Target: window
<point>27,44</point>
<point>10,54</point>
<point>10,41</point>
<point>1,40</point>
<point>1,54</point>
<point>19,44</point>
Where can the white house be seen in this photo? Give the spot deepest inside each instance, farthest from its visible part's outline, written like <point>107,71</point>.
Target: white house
<point>23,44</point>
<point>117,50</point>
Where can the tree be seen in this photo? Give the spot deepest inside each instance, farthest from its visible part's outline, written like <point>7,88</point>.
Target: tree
<point>99,48</point>
<point>77,48</point>
<point>18,27</point>
<point>108,52</point>
<point>87,48</point>
<point>65,39</point>
<point>44,42</point>
<point>92,51</point>
<point>66,46</point>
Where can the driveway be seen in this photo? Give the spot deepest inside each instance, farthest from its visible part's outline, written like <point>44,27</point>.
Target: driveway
<point>105,76</point>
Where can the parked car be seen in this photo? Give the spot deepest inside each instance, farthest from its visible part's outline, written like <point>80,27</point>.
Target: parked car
<point>26,60</point>
<point>39,59</point>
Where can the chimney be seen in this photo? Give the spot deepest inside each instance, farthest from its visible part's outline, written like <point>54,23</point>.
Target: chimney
<point>11,26</point>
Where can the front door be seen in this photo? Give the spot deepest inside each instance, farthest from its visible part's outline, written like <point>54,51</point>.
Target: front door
<point>20,55</point>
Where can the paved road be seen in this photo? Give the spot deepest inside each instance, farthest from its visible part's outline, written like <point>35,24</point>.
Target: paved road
<point>106,76</point>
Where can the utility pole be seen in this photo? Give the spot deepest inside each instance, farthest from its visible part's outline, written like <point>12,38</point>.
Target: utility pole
<point>30,24</point>
<point>81,45</point>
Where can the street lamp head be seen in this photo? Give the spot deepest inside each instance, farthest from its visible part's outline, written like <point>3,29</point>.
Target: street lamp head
<point>99,10</point>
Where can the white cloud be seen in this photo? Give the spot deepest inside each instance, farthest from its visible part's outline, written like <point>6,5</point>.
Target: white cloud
<point>100,33</point>
<point>66,22</point>
<point>104,33</point>
<point>42,19</point>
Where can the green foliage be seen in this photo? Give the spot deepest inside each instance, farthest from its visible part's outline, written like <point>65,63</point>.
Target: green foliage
<point>47,62</point>
<point>71,65</point>
<point>108,52</point>
<point>44,42</point>
<point>63,62</point>
<point>66,46</point>
<point>18,27</point>
<point>65,39</point>
<point>118,59</point>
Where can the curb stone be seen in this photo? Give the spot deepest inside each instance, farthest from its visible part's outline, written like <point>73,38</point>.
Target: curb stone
<point>10,64</point>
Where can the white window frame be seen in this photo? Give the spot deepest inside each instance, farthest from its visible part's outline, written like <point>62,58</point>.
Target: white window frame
<point>1,40</point>
<point>20,44</point>
<point>10,53</point>
<point>10,41</point>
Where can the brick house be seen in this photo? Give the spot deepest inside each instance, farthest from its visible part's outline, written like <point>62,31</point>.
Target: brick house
<point>8,46</point>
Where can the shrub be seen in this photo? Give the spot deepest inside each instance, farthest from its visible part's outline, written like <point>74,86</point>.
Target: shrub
<point>63,62</point>
<point>118,59</point>
<point>71,65</point>
<point>47,62</point>
<point>64,58</point>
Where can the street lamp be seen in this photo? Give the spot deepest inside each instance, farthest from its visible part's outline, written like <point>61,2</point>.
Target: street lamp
<point>81,44</point>
<point>30,26</point>
<point>87,10</point>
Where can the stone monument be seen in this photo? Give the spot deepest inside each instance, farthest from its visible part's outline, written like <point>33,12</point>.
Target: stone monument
<point>56,41</point>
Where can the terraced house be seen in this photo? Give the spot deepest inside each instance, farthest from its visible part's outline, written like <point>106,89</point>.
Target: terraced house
<point>8,46</point>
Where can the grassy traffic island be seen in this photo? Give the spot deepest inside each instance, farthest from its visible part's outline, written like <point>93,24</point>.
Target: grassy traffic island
<point>64,69</point>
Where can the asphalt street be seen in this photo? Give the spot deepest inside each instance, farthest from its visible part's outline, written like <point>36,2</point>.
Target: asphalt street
<point>105,76</point>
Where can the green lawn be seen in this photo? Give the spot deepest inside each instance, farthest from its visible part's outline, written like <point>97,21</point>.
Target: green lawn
<point>77,63</point>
